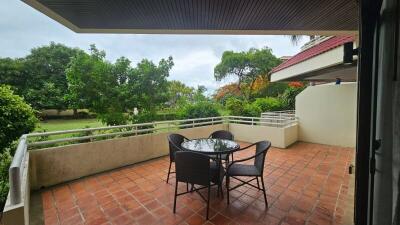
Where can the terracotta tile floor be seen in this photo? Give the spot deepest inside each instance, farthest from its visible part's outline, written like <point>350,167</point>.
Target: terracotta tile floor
<point>307,184</point>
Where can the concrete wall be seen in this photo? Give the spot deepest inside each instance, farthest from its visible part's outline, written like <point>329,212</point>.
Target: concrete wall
<point>327,114</point>
<point>19,214</point>
<point>279,137</point>
<point>60,164</point>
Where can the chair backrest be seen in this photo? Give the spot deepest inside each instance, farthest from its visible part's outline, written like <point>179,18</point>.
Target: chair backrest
<point>222,134</point>
<point>262,148</point>
<point>192,167</point>
<point>175,141</point>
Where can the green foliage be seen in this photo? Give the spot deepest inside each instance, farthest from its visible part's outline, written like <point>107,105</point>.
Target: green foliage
<point>199,110</point>
<point>235,106</point>
<point>5,161</point>
<point>268,104</point>
<point>16,117</point>
<point>40,77</point>
<point>274,89</point>
<point>178,94</point>
<point>288,98</point>
<point>111,90</point>
<point>251,110</point>
<point>247,66</point>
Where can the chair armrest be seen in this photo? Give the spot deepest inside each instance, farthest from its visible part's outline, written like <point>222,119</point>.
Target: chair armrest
<point>245,159</point>
<point>178,147</point>
<point>240,149</point>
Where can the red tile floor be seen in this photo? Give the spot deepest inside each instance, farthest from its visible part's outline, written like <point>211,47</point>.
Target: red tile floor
<point>306,184</point>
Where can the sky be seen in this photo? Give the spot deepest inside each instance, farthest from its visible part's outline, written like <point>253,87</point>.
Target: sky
<point>195,56</point>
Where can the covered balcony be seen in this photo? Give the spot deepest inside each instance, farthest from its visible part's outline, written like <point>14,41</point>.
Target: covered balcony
<point>117,175</point>
<point>306,184</point>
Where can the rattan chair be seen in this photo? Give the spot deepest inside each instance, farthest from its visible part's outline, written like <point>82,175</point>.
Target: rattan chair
<point>223,134</point>
<point>196,169</point>
<point>255,170</point>
<point>175,141</point>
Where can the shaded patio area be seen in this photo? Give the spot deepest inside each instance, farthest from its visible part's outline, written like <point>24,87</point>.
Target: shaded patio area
<point>306,184</point>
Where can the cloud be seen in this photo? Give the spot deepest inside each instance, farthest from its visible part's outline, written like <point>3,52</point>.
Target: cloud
<point>23,28</point>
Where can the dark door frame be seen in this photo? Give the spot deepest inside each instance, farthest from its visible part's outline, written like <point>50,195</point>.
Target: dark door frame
<point>369,14</point>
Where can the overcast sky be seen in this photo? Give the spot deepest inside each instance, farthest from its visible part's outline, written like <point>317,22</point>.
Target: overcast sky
<point>22,28</point>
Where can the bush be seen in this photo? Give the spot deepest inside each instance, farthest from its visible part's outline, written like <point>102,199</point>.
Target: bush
<point>275,89</point>
<point>288,98</point>
<point>235,105</point>
<point>112,118</point>
<point>251,110</point>
<point>268,104</point>
<point>16,117</point>
<point>5,161</point>
<point>166,116</point>
<point>199,110</point>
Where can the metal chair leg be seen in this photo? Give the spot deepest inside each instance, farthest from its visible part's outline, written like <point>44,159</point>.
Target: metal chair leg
<point>227,188</point>
<point>258,184</point>
<point>176,194</point>
<point>169,171</point>
<point>265,195</point>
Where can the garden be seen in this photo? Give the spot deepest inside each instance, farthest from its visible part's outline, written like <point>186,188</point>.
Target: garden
<point>103,93</point>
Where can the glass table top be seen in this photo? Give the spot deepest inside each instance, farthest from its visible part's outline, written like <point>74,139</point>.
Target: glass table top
<point>210,146</point>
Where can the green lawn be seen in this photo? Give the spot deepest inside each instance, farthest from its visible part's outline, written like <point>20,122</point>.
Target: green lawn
<point>70,124</point>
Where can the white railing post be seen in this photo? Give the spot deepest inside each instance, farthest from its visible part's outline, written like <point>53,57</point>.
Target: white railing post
<point>14,174</point>
<point>15,171</point>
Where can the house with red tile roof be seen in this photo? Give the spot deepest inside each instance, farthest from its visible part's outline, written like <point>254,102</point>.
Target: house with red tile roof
<point>326,112</point>
<point>321,59</point>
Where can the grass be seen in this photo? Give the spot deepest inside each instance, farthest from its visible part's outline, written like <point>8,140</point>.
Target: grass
<point>69,124</point>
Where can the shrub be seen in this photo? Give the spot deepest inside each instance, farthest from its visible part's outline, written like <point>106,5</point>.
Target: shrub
<point>5,161</point>
<point>235,105</point>
<point>16,117</point>
<point>268,104</point>
<point>166,116</point>
<point>199,110</point>
<point>275,89</point>
<point>112,118</point>
<point>251,110</point>
<point>288,98</point>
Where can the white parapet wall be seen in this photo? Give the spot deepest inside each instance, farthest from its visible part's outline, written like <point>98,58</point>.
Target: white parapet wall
<point>55,165</point>
<point>19,214</point>
<point>280,137</point>
<point>327,114</point>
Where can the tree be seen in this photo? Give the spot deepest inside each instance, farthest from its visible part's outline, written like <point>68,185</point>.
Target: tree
<point>113,90</point>
<point>288,98</point>
<point>247,66</point>
<point>45,68</point>
<point>226,91</point>
<point>12,72</point>
<point>178,94</point>
<point>149,82</point>
<point>93,83</point>
<point>16,117</point>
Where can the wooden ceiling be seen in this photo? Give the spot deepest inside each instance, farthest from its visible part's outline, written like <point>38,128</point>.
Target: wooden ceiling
<point>204,16</point>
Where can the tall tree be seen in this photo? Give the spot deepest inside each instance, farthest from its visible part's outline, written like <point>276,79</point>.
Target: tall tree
<point>113,90</point>
<point>12,72</point>
<point>93,84</point>
<point>247,66</point>
<point>178,94</point>
<point>46,67</point>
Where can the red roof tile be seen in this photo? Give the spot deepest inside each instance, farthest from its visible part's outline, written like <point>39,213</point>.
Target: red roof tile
<point>322,47</point>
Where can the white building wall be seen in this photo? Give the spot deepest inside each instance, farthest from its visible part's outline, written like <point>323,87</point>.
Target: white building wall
<point>327,114</point>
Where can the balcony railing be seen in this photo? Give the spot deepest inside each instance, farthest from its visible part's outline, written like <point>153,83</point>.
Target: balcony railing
<point>49,139</point>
